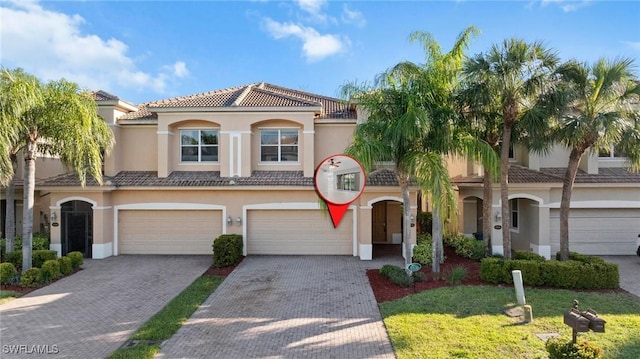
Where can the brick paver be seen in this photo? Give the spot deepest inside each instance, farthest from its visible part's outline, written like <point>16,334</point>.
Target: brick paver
<point>629,268</point>
<point>287,307</point>
<point>93,312</point>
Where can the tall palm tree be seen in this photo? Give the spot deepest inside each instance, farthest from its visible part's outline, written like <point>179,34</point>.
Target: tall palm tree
<point>53,118</point>
<point>521,71</point>
<point>412,123</point>
<point>597,102</point>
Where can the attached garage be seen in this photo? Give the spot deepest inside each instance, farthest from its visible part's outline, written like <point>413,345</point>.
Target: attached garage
<point>153,231</point>
<point>603,231</point>
<point>298,232</point>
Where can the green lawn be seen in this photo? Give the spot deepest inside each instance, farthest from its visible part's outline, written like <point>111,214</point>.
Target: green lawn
<point>169,319</point>
<point>468,322</point>
<point>8,295</point>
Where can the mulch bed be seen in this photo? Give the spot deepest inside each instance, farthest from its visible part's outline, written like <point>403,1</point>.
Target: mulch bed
<point>224,271</point>
<point>385,290</point>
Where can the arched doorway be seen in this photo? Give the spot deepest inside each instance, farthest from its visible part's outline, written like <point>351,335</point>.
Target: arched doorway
<point>386,228</point>
<point>76,233</point>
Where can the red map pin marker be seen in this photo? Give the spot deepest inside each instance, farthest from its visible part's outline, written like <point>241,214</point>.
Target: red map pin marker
<point>339,180</point>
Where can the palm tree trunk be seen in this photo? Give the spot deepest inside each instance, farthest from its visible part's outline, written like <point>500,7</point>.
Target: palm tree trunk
<point>487,200</point>
<point>565,202</point>
<point>10,216</point>
<point>406,228</point>
<point>28,201</point>
<point>436,241</point>
<point>504,191</point>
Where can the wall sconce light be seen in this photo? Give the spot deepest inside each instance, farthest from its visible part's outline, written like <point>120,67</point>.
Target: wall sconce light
<point>229,220</point>
<point>54,217</point>
<point>412,219</point>
<point>239,220</point>
<point>498,217</point>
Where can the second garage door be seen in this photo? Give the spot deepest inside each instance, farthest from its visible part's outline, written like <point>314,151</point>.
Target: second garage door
<point>168,231</point>
<point>298,232</point>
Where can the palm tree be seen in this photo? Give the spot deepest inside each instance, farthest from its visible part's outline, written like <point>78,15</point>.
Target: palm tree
<point>55,119</point>
<point>597,102</point>
<point>521,72</point>
<point>412,123</point>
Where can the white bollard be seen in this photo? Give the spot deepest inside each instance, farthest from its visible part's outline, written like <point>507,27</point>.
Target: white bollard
<point>517,283</point>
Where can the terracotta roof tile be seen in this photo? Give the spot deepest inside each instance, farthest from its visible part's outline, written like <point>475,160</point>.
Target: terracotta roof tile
<point>605,175</point>
<point>251,95</point>
<point>103,96</point>
<point>143,113</point>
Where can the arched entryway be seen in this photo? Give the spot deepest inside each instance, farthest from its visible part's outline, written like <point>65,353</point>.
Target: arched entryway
<point>386,228</point>
<point>472,217</point>
<point>76,232</point>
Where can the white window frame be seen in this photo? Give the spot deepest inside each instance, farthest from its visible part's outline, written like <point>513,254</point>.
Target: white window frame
<point>280,145</point>
<point>514,213</point>
<point>612,154</point>
<point>199,145</point>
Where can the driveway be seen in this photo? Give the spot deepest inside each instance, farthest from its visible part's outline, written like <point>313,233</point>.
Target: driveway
<point>629,268</point>
<point>287,307</point>
<point>93,312</point>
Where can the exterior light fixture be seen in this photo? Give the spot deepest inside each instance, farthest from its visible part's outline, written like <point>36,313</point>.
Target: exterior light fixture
<point>498,217</point>
<point>54,217</point>
<point>239,220</point>
<point>229,220</point>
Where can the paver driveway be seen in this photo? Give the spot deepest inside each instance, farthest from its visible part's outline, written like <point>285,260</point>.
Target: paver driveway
<point>93,312</point>
<point>629,268</point>
<point>287,307</point>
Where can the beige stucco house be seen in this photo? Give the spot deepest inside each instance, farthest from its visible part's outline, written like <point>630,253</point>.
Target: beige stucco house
<point>242,160</point>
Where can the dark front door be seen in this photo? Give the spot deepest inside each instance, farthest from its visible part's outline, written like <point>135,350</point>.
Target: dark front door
<point>77,232</point>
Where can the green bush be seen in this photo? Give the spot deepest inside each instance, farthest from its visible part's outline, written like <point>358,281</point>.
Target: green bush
<point>465,246</point>
<point>568,350</point>
<point>423,237</point>
<point>574,256</point>
<point>31,277</point>
<point>423,253</point>
<point>227,250</point>
<point>526,255</point>
<point>77,258</point>
<point>425,222</point>
<point>38,257</point>
<point>65,265</point>
<point>530,270</point>
<point>14,258</point>
<point>492,270</point>
<point>455,275</point>
<point>39,241</point>
<point>396,275</point>
<point>8,273</point>
<point>50,270</point>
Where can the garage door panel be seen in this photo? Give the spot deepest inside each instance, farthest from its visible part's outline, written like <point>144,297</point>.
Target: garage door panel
<point>599,231</point>
<point>298,232</point>
<point>168,231</point>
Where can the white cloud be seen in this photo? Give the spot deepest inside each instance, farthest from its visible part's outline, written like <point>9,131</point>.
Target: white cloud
<point>315,46</point>
<point>567,5</point>
<point>314,9</point>
<point>633,45</point>
<point>353,16</point>
<point>52,45</point>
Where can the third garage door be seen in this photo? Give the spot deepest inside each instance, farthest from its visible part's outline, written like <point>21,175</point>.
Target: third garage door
<point>298,232</point>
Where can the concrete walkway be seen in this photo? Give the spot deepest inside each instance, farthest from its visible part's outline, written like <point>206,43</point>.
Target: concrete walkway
<point>288,307</point>
<point>93,312</point>
<point>629,268</point>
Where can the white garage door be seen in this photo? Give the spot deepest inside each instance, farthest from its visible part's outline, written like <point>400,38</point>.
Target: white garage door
<point>298,232</point>
<point>608,231</point>
<point>168,231</point>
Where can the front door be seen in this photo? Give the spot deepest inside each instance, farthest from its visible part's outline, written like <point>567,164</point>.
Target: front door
<point>379,222</point>
<point>77,228</point>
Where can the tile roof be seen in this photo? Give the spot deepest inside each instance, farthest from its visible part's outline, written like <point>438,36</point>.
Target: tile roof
<point>520,174</point>
<point>103,96</point>
<point>253,95</point>
<point>208,179</point>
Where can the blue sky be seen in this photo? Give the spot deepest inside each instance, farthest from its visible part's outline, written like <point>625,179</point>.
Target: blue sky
<point>149,50</point>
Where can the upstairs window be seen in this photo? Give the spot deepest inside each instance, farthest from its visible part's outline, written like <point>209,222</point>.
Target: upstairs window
<point>612,152</point>
<point>279,145</point>
<point>199,145</point>
<point>513,206</point>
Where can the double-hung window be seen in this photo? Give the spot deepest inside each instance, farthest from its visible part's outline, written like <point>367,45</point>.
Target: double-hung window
<point>198,145</point>
<point>279,145</point>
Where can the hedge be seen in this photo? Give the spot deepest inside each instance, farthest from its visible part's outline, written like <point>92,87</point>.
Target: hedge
<point>31,277</point>
<point>588,274</point>
<point>50,270</point>
<point>8,273</point>
<point>38,257</point>
<point>77,258</point>
<point>227,250</point>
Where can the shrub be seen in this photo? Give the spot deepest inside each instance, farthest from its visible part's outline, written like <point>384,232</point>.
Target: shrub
<point>31,277</point>
<point>227,250</point>
<point>568,350</point>
<point>50,270</point>
<point>39,241</point>
<point>77,258</point>
<point>492,270</point>
<point>455,275</point>
<point>14,258</point>
<point>423,253</point>
<point>396,275</point>
<point>419,276</point>
<point>65,265</point>
<point>464,246</point>
<point>8,273</point>
<point>425,222</point>
<point>38,257</point>
<point>423,237</point>
<point>530,270</point>
<point>526,255</point>
<point>575,256</point>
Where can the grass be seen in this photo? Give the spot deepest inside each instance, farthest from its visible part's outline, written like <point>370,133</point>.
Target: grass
<point>8,295</point>
<point>468,322</point>
<point>167,321</point>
